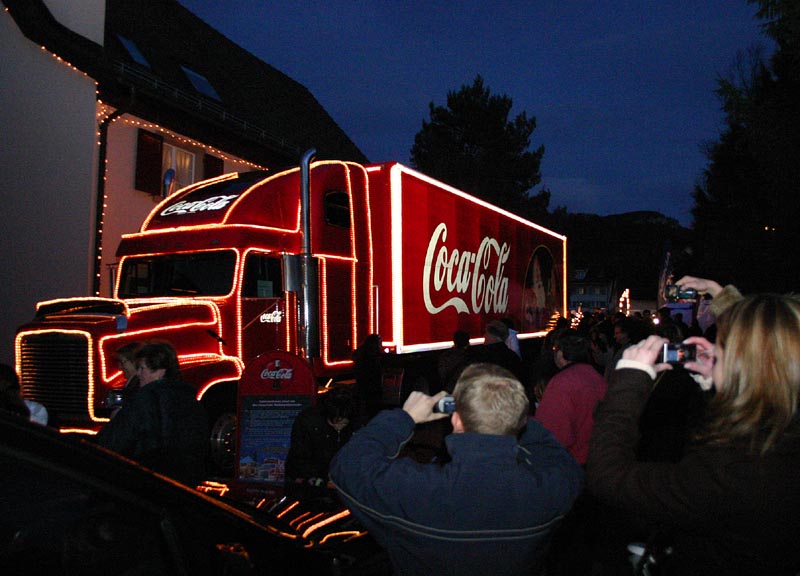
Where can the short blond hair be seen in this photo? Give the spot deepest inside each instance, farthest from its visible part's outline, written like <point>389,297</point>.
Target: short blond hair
<point>757,399</point>
<point>490,400</point>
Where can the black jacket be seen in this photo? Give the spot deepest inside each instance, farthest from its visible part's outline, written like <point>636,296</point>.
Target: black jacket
<point>724,509</point>
<point>163,427</point>
<point>314,442</point>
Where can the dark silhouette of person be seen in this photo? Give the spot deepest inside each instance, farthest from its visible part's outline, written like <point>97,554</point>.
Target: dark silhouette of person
<point>368,368</point>
<point>317,434</point>
<point>164,427</point>
<point>496,351</point>
<point>10,398</point>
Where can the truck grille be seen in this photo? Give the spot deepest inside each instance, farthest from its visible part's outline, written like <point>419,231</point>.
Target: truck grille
<point>54,370</point>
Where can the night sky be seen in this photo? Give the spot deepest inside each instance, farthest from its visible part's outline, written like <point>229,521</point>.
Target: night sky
<point>623,92</point>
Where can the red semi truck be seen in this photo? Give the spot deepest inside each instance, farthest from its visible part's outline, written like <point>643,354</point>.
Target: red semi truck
<point>309,261</point>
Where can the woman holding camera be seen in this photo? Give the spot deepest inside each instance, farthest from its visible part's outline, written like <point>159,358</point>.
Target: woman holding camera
<point>732,503</point>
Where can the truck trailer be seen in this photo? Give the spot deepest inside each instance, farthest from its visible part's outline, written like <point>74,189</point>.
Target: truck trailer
<point>308,260</point>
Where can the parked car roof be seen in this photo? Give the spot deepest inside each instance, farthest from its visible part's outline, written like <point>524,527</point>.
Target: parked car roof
<point>72,507</point>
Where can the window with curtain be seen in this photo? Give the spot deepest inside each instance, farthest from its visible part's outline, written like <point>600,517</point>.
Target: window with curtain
<point>180,160</point>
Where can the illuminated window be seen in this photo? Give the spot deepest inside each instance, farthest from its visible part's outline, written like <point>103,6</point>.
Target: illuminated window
<point>154,157</point>
<point>201,83</point>
<point>180,160</point>
<point>337,208</point>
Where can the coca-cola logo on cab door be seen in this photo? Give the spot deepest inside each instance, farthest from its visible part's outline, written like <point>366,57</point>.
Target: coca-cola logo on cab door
<point>467,281</point>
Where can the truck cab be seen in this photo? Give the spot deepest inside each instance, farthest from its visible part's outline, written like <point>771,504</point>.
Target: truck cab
<point>215,270</point>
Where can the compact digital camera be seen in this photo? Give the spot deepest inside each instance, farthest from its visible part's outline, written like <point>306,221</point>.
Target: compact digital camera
<point>446,405</point>
<point>673,293</point>
<point>678,353</point>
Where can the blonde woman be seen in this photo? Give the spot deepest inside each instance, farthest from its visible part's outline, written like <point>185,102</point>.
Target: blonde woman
<point>732,504</point>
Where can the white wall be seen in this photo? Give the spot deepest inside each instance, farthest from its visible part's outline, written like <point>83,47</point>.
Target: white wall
<point>47,163</point>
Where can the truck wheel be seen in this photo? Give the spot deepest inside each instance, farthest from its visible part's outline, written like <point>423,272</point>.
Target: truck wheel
<point>222,450</point>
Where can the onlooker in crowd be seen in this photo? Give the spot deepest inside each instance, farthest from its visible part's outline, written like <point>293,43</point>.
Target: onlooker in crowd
<point>730,505</point>
<point>677,319</point>
<point>11,399</point>
<point>544,367</point>
<point>317,434</point>
<point>368,368</point>
<point>126,358</point>
<point>164,427</point>
<point>453,360</point>
<point>567,410</point>
<point>490,510</point>
<point>567,405</point>
<point>627,331</point>
<point>495,351</point>
<point>664,315</point>
<point>672,415</point>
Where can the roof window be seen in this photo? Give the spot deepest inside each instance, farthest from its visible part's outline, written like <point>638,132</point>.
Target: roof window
<point>133,51</point>
<point>201,83</point>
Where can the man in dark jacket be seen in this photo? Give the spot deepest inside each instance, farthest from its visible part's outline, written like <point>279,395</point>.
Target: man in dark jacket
<point>491,510</point>
<point>317,434</point>
<point>495,350</point>
<point>163,426</point>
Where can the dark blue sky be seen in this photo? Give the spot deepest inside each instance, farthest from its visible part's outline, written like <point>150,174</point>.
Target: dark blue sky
<point>622,91</point>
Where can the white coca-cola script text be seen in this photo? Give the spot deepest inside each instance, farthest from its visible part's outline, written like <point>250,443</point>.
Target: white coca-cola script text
<point>467,281</point>
<point>277,373</point>
<point>213,203</point>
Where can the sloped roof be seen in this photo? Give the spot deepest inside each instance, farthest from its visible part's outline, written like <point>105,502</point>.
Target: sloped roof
<point>261,115</point>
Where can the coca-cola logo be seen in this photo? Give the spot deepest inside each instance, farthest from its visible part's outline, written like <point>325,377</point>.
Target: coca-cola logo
<point>273,317</point>
<point>185,207</point>
<point>274,371</point>
<point>467,281</point>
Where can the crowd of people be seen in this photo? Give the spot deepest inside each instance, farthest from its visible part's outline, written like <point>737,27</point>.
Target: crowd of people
<point>597,456</point>
<point>618,462</point>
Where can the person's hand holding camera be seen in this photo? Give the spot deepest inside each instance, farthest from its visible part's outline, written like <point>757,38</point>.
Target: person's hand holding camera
<point>648,351</point>
<point>420,407</point>
<point>704,365</point>
<point>702,285</point>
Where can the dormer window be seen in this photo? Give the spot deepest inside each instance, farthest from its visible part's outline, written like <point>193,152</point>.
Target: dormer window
<point>201,83</point>
<point>133,51</point>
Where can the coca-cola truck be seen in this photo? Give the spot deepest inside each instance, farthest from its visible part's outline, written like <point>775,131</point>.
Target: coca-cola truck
<point>309,261</point>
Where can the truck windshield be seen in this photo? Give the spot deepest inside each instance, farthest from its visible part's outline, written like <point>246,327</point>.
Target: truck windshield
<point>195,274</point>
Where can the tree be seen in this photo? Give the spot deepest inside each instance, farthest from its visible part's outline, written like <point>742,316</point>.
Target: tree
<point>747,205</point>
<point>471,145</point>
